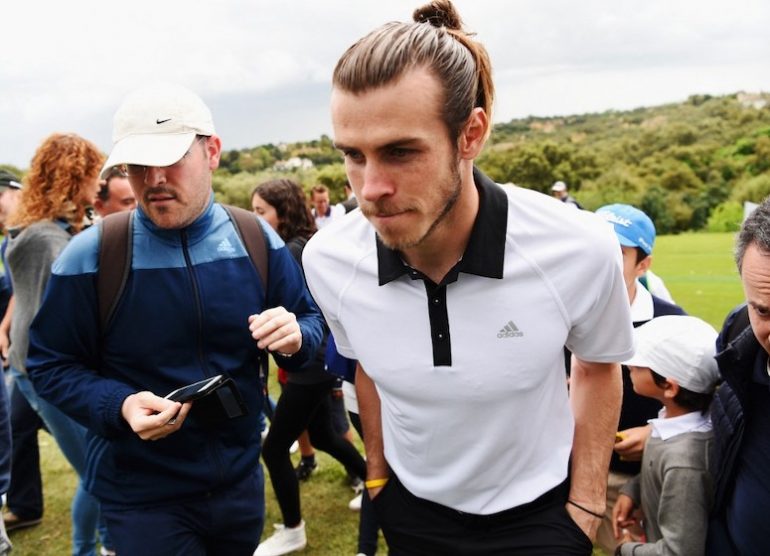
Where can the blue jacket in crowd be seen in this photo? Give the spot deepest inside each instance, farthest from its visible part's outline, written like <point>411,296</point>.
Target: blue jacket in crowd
<point>182,317</point>
<point>741,451</point>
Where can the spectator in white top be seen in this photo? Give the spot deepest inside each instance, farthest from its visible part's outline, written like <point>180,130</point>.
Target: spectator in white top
<point>323,212</point>
<point>559,191</point>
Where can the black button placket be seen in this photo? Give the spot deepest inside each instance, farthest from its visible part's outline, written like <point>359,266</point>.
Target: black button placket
<point>439,324</point>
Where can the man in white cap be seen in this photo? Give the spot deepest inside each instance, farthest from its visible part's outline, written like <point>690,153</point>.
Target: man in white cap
<point>171,478</point>
<point>559,191</point>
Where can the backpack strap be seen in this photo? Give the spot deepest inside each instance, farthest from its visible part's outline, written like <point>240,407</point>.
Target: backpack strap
<point>250,232</point>
<point>115,253</point>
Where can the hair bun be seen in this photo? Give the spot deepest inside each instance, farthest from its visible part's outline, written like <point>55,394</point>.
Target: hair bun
<point>440,13</point>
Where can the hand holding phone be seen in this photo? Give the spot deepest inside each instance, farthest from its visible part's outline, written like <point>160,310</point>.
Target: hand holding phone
<point>213,399</point>
<point>152,417</point>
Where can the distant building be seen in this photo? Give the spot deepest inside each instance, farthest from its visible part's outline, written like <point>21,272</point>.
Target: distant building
<point>294,163</point>
<point>753,100</point>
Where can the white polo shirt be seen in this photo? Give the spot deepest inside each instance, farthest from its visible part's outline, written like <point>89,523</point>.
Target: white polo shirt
<point>470,372</point>
<point>335,212</point>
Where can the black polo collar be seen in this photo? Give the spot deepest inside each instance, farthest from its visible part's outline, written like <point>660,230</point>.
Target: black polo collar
<point>485,253</point>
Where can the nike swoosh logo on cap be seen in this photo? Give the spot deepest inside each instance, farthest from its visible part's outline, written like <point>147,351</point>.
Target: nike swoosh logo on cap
<point>162,121</point>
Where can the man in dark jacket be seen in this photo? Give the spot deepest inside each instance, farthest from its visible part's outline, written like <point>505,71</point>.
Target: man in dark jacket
<point>171,479</point>
<point>741,408</point>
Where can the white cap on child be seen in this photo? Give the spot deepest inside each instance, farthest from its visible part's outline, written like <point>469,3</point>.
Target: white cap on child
<point>678,347</point>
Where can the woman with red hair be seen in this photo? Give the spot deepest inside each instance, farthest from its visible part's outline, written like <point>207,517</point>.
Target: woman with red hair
<point>55,204</point>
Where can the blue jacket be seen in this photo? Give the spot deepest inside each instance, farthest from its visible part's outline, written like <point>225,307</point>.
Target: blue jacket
<point>182,317</point>
<point>736,358</point>
<point>737,352</point>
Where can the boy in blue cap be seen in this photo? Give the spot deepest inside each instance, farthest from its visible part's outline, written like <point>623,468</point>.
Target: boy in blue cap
<point>636,235</point>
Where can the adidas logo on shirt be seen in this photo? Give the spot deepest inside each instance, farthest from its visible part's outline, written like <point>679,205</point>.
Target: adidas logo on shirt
<point>510,330</point>
<point>225,247</point>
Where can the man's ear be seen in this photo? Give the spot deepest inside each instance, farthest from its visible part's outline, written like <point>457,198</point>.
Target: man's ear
<point>214,149</point>
<point>473,135</point>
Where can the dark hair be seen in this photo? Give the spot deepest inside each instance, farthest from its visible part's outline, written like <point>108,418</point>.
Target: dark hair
<point>692,401</point>
<point>756,229</point>
<point>290,204</point>
<point>435,41</point>
<point>320,188</point>
<point>104,185</point>
<point>641,254</point>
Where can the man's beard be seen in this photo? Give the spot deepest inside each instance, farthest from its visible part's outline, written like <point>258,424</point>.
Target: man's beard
<point>450,201</point>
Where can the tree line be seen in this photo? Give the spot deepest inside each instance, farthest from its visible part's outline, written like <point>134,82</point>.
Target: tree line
<point>689,165</point>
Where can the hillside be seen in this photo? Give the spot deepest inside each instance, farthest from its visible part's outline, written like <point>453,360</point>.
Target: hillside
<point>689,165</point>
<point>678,162</point>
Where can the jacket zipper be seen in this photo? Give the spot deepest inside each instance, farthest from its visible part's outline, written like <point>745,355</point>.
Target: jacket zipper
<point>214,447</point>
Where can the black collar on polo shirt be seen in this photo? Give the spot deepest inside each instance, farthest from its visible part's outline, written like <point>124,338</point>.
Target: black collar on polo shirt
<point>485,252</point>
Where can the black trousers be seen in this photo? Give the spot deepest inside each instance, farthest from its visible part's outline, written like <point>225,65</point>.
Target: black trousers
<point>368,528</point>
<point>300,407</point>
<point>414,526</point>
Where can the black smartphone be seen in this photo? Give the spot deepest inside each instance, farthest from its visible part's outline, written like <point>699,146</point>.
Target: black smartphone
<point>195,390</point>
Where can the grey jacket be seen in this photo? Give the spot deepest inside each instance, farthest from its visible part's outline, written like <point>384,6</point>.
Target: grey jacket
<point>30,255</point>
<point>675,492</point>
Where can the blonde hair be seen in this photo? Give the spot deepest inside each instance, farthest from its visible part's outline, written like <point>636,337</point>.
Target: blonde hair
<point>436,41</point>
<point>62,168</point>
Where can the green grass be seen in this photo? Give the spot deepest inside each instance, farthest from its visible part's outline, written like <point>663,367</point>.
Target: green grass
<point>697,268</point>
<point>59,482</point>
<point>699,271</point>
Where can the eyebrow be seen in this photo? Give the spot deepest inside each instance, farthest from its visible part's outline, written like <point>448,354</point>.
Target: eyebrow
<point>401,142</point>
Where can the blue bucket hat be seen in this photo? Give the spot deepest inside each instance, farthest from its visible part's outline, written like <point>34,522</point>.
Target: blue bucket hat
<point>632,226</point>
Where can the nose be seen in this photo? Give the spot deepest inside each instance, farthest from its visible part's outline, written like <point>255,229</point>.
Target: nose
<point>376,182</point>
<point>154,175</point>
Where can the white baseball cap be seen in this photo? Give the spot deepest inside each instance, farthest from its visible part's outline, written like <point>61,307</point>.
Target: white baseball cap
<point>678,347</point>
<point>156,125</point>
<point>559,186</point>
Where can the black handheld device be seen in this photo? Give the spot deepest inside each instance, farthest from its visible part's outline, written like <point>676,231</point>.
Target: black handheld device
<point>196,390</point>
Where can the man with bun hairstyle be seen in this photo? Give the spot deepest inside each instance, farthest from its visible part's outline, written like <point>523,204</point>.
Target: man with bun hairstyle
<point>457,295</point>
<point>172,478</point>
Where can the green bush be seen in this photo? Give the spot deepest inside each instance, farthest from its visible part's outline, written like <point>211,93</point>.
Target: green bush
<point>726,217</point>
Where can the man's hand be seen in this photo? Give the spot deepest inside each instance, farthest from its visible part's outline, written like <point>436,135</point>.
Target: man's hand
<point>631,447</point>
<point>588,523</point>
<point>152,417</point>
<point>373,492</point>
<point>277,330</point>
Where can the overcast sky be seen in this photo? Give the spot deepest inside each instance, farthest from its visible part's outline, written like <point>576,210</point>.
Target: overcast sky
<point>264,67</point>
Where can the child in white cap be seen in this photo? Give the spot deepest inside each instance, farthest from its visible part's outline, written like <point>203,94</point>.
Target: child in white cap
<point>674,364</point>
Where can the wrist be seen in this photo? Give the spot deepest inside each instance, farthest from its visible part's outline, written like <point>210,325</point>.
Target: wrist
<point>591,509</point>
<point>376,483</point>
